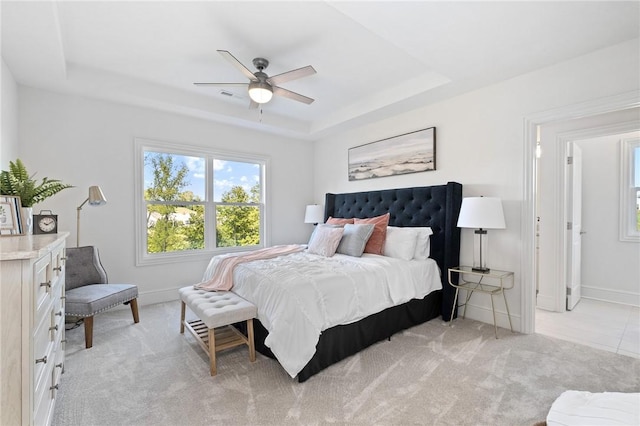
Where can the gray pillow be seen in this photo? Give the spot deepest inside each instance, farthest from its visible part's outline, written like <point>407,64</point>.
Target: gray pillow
<point>354,239</point>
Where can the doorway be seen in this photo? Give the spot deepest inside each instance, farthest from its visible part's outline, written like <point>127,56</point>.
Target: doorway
<point>621,111</point>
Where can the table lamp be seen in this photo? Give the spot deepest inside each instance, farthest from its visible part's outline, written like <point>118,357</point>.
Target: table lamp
<point>314,214</point>
<point>482,213</point>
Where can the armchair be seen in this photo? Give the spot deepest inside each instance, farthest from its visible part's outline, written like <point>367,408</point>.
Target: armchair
<point>88,291</point>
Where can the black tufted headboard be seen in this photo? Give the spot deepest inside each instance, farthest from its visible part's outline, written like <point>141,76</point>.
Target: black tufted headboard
<point>435,206</point>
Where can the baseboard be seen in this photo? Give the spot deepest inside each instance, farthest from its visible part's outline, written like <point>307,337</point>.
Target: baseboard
<point>612,296</point>
<point>153,297</point>
<point>484,314</point>
<point>547,303</point>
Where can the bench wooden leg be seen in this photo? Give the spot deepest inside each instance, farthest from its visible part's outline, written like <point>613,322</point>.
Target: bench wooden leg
<point>134,310</point>
<point>212,352</point>
<point>88,332</point>
<point>252,347</point>
<point>183,309</point>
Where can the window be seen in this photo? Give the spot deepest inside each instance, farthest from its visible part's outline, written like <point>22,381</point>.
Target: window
<point>630,190</point>
<point>192,202</point>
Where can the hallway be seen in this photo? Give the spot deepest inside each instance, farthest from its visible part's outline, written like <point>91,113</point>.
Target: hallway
<point>603,325</point>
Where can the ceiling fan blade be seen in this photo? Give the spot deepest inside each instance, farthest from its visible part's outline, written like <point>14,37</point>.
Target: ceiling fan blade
<point>291,75</point>
<point>291,95</point>
<point>244,70</point>
<point>222,84</point>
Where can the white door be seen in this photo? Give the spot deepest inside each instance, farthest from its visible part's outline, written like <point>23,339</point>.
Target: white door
<point>574,237</point>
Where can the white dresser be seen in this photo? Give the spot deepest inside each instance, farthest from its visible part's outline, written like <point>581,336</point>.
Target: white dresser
<point>31,327</point>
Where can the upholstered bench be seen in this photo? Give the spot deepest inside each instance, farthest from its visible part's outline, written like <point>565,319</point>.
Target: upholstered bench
<point>217,311</point>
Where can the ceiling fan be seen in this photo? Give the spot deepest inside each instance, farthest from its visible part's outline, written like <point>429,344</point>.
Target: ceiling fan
<point>262,87</point>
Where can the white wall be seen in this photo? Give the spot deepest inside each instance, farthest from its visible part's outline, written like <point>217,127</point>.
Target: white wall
<point>88,142</point>
<point>9,120</point>
<point>610,267</point>
<point>480,138</point>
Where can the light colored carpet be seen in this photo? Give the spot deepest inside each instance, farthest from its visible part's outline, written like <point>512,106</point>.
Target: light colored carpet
<point>149,374</point>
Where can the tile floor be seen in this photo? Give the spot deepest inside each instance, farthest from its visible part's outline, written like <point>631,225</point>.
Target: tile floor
<point>608,326</point>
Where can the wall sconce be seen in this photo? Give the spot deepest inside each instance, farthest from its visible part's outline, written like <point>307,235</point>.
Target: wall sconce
<point>95,198</point>
<point>314,214</point>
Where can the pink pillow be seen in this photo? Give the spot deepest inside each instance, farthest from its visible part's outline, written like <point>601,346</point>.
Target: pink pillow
<point>375,244</point>
<point>338,221</point>
<point>324,240</point>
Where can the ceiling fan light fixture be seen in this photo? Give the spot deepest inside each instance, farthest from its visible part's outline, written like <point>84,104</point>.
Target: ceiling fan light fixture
<point>260,92</point>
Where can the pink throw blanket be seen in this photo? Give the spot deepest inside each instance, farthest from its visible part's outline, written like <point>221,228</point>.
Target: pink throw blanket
<point>222,277</point>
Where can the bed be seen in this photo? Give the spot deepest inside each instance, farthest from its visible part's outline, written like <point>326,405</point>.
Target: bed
<point>436,207</point>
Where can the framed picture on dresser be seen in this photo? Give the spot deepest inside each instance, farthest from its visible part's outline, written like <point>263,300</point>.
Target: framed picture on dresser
<point>10,219</point>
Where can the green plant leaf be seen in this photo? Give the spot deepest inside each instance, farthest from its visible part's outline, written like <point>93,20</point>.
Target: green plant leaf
<point>17,182</point>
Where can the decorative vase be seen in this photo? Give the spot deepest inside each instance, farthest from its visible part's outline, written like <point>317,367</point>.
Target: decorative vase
<point>27,217</point>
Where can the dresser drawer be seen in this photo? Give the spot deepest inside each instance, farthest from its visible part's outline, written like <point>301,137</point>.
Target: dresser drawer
<point>43,397</point>
<point>57,321</point>
<point>42,348</point>
<point>42,285</point>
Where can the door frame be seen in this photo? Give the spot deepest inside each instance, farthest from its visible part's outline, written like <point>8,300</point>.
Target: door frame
<point>615,103</point>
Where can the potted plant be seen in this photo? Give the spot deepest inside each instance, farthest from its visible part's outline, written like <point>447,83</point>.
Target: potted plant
<point>17,182</point>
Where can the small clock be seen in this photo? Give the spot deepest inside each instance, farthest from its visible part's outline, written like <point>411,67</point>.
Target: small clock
<point>44,223</point>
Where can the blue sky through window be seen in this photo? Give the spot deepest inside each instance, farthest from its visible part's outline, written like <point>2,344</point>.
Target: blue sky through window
<point>226,174</point>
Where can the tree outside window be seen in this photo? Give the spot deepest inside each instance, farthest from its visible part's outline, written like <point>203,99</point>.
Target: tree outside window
<point>181,217</point>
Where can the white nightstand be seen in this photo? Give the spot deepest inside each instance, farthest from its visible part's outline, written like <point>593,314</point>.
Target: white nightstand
<point>492,283</point>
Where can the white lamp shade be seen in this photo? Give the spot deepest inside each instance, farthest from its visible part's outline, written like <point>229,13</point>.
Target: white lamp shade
<point>314,214</point>
<point>481,212</point>
<point>96,197</point>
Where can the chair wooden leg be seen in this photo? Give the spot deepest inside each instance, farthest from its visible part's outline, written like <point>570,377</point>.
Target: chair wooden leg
<point>88,332</point>
<point>134,310</point>
<point>252,347</point>
<point>183,309</point>
<point>212,352</point>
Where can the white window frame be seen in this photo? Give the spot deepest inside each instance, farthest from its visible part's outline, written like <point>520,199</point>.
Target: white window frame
<point>628,192</point>
<point>142,257</point>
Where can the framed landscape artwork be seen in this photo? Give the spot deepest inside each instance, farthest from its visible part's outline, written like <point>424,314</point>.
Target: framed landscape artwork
<point>409,153</point>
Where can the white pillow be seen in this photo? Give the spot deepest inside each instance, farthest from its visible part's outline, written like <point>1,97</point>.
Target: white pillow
<point>423,246</point>
<point>325,239</point>
<point>400,243</point>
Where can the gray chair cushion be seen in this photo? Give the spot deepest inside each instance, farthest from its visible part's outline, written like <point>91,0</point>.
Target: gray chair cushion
<point>88,300</point>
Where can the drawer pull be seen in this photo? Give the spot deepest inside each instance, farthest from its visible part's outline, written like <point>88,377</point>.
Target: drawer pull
<point>55,327</point>
<point>63,258</point>
<point>58,268</point>
<point>58,314</point>
<point>42,360</point>
<point>47,284</point>
<point>54,387</point>
<point>63,341</point>
<point>59,365</point>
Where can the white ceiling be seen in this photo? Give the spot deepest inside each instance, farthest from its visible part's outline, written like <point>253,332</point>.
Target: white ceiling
<point>372,58</point>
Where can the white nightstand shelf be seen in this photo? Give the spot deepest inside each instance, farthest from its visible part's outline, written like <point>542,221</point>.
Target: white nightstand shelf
<point>492,283</point>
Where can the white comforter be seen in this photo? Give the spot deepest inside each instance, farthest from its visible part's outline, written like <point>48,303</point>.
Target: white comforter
<point>301,294</point>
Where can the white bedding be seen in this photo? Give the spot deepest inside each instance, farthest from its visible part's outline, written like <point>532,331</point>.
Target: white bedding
<point>586,408</point>
<point>301,294</point>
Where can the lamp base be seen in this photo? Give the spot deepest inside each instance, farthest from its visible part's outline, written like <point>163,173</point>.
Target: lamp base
<point>481,270</point>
